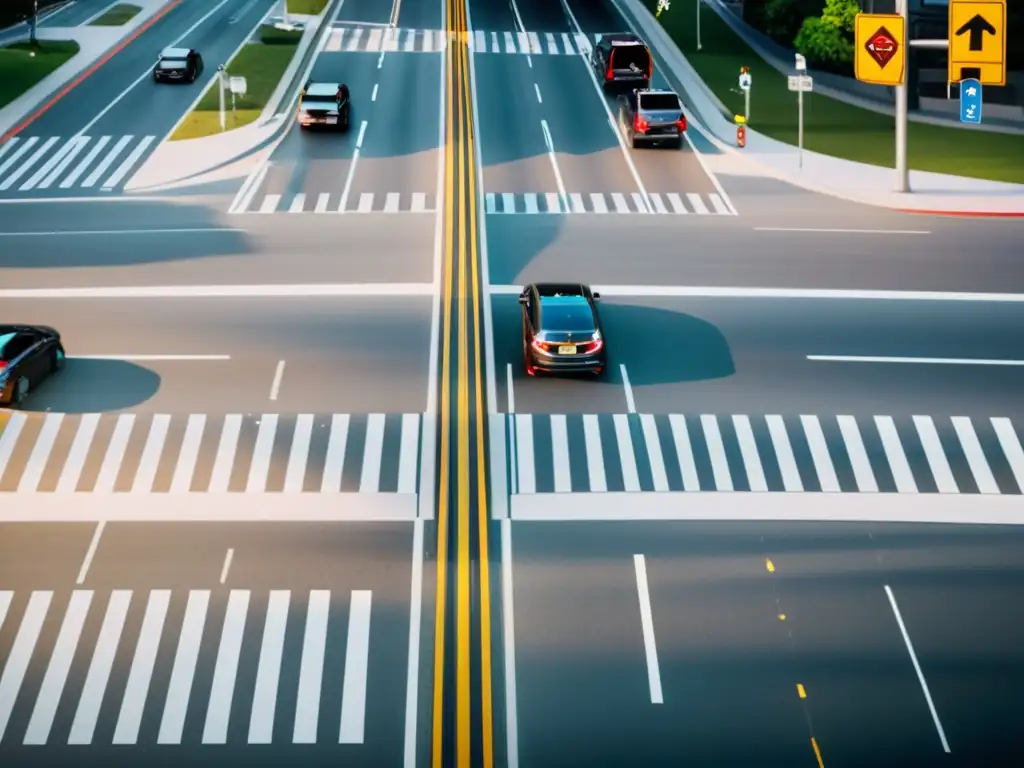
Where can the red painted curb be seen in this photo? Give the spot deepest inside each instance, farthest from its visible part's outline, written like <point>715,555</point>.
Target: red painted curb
<point>965,214</point>
<point>92,69</point>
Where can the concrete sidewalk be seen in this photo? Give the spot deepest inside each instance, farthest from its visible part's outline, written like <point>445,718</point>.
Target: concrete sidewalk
<point>858,182</point>
<point>94,44</point>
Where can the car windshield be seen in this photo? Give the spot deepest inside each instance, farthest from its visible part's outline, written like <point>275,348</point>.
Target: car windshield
<point>319,101</point>
<point>658,101</point>
<point>566,314</point>
<point>5,340</point>
<point>172,64</point>
<point>629,56</point>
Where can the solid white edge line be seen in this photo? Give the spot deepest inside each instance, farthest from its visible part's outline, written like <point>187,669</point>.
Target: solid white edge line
<point>374,290</point>
<point>121,198</point>
<point>415,621</point>
<point>76,233</point>
<point>149,72</point>
<point>243,198</point>
<point>91,552</point>
<point>227,565</point>
<point>684,291</point>
<point>917,668</point>
<point>151,358</point>
<point>647,627</point>
<point>210,81</point>
<point>509,636</point>
<point>275,385</point>
<point>920,360</point>
<point>612,124</point>
<point>554,165</point>
<point>845,231</point>
<point>630,403</point>
<point>511,395</point>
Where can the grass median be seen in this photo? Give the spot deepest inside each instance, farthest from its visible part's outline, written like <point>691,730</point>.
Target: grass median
<point>262,63</point>
<point>834,127</point>
<point>119,14</point>
<point>23,65</point>
<point>309,7</point>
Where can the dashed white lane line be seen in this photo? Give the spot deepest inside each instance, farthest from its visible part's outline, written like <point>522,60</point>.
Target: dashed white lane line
<point>537,89</point>
<point>373,96</point>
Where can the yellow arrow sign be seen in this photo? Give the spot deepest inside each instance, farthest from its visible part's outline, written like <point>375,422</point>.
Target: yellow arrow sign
<point>977,41</point>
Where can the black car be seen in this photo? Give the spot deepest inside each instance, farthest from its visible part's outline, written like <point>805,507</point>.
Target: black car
<point>178,65</point>
<point>622,60</point>
<point>653,117</point>
<point>561,329</point>
<point>325,104</point>
<point>28,354</point>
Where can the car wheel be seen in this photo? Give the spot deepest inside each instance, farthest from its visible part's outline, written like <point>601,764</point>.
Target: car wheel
<point>57,363</point>
<point>21,387</point>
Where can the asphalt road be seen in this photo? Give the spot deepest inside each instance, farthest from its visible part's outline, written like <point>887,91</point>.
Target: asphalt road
<point>733,637</point>
<point>315,655</point>
<point>99,132</point>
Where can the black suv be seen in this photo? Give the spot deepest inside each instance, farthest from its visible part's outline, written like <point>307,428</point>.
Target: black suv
<point>561,329</point>
<point>178,65</point>
<point>652,117</point>
<point>622,59</point>
<point>325,104</point>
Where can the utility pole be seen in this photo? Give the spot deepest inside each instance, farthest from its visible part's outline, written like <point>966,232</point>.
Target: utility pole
<point>902,170</point>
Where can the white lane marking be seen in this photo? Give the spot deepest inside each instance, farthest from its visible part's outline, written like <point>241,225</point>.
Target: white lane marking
<point>919,360</point>
<point>537,89</point>
<point>122,171</point>
<point>149,73</point>
<point>647,627</point>
<point>373,96</point>
<point>152,358</point>
<point>268,673</point>
<point>172,724</point>
<point>823,465</point>
<point>595,457</point>
<point>684,450</point>
<point>917,667</point>
<point>298,203</point>
<point>220,476</point>
<point>630,403</point>
<point>894,453</point>
<point>975,455</point>
<point>227,565</point>
<point>90,553</point>
<point>240,14</point>
<point>846,231</point>
<point>1010,444</point>
<point>22,169</point>
<point>224,291</point>
<point>627,456</point>
<point>311,667</point>
<point>222,689</point>
<point>40,456</point>
<point>351,170</point>
<point>79,232</point>
<point>511,389</point>
<point>189,454</point>
<point>76,456</point>
<point>137,688</point>
<point>509,635</point>
<point>18,660</point>
<point>415,629</point>
<point>560,453</point>
<point>554,164</point>
<point>88,711</point>
<point>262,453</point>
<point>275,385</point>
<point>686,291</point>
<point>945,482</point>
<point>114,456</point>
<point>655,459</point>
<point>357,657</point>
<point>858,455</point>
<point>373,454</point>
<point>362,135</point>
<point>524,449</point>
<point>56,163</point>
<point>246,192</point>
<point>149,462</point>
<point>748,451</point>
<point>784,453</point>
<point>70,179</point>
<point>38,730</point>
<point>716,452</point>
<point>298,456</point>
<point>380,61</point>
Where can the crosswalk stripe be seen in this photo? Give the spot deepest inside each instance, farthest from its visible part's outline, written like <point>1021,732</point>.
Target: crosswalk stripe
<point>172,724</point>
<point>370,478</point>
<point>659,477</point>
<point>150,460</point>
<point>129,162</point>
<point>24,168</point>
<point>46,168</point>
<point>45,710</point>
<point>684,452</point>
<point>189,454</point>
<point>21,149</point>
<point>299,455</point>
<point>784,452</point>
<point>524,459</point>
<point>893,447</point>
<point>530,199</point>
<point>858,454</point>
<point>268,673</point>
<point>262,452</point>
<point>823,466</point>
<point>222,690</point>
<point>335,453</point>
<point>75,146</point>
<point>21,654</point>
<point>322,201</point>
<point>79,452</point>
<point>392,202</point>
<point>419,202</point>
<point>40,453</point>
<point>6,596</point>
<point>311,668</point>
<point>630,474</point>
<point>748,449</point>
<point>595,462</point>
<point>8,145</point>
<point>298,203</point>
<point>677,203</point>
<point>696,203</point>
<point>269,204</point>
<point>88,711</point>
<point>107,478</point>
<point>975,455</point>
<point>525,42</point>
<point>1011,446</point>
<point>130,719</point>
<point>409,453</point>
<point>357,653</point>
<point>718,204</point>
<point>106,162</point>
<point>936,457</point>
<point>225,460</point>
<point>716,451</point>
<point>560,454</point>
<point>71,178</point>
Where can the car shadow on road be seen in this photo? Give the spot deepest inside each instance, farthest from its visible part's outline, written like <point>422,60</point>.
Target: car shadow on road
<point>94,386</point>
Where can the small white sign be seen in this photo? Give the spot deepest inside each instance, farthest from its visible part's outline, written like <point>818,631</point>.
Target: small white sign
<point>745,81</point>
<point>803,83</point>
<point>237,85</point>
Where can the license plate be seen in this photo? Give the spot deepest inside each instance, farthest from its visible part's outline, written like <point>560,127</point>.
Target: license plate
<point>567,349</point>
<point>332,120</point>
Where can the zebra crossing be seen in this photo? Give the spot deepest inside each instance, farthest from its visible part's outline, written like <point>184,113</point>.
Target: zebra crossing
<point>129,453</point>
<point>835,454</point>
<point>606,202</point>
<point>328,202</point>
<point>37,163</point>
<point>357,39</point>
<point>254,693</point>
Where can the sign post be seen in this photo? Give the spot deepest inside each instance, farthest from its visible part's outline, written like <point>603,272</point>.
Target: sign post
<point>745,82</point>
<point>220,91</point>
<point>699,46</point>
<point>238,86</point>
<point>970,102</point>
<point>800,83</point>
<point>977,41</point>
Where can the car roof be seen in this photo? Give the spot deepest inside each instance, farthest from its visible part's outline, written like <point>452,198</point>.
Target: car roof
<point>9,328</point>
<point>322,89</point>
<point>622,38</point>
<point>175,53</point>
<point>655,91</point>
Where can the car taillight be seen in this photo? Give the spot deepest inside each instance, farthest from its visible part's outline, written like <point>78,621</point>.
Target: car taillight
<point>593,346</point>
<point>640,125</point>
<point>540,346</point>
<point>2,366</point>
<point>681,122</point>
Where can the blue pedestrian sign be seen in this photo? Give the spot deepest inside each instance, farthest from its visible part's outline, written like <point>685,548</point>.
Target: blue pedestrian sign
<point>970,101</point>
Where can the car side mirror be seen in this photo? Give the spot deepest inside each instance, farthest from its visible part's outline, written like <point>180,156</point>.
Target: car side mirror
<point>523,300</point>
<point>596,296</point>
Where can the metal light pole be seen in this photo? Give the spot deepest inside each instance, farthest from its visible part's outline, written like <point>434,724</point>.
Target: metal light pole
<point>699,46</point>
<point>220,91</point>
<point>801,68</point>
<point>32,24</point>
<point>902,171</point>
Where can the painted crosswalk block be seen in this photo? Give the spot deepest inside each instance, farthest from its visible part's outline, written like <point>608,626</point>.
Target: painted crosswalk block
<point>56,163</point>
<point>327,202</point>
<point>120,636</point>
<point>834,454</point>
<point>358,39</point>
<point>161,453</point>
<point>606,202</point>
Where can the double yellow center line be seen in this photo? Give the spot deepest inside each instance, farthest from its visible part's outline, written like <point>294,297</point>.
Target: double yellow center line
<point>462,733</point>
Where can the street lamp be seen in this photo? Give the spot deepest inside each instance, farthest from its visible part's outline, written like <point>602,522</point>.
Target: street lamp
<point>32,24</point>
<point>698,26</point>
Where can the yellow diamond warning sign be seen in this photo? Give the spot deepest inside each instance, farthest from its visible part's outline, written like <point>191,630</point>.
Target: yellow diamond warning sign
<point>880,48</point>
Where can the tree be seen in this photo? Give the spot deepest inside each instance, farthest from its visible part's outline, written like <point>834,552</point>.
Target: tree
<point>783,18</point>
<point>827,41</point>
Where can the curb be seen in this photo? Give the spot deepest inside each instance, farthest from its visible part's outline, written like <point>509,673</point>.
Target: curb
<point>634,17</point>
